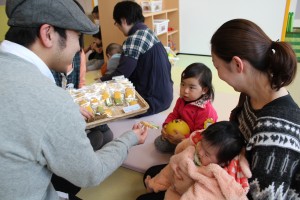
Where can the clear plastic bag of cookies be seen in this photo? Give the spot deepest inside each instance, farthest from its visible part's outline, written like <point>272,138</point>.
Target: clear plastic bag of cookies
<point>130,92</point>
<point>106,97</point>
<point>118,97</point>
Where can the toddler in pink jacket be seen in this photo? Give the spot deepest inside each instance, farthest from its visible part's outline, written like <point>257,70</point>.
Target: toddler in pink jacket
<point>208,165</point>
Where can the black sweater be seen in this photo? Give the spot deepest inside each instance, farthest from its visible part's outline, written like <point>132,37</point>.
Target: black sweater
<point>273,148</point>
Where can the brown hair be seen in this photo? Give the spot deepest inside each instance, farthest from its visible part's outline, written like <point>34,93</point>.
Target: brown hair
<point>243,38</point>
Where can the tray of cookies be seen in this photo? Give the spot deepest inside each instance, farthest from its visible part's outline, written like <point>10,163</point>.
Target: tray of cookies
<point>109,101</point>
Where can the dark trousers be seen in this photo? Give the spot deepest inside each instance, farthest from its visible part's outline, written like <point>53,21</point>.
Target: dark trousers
<point>98,137</point>
<point>153,171</point>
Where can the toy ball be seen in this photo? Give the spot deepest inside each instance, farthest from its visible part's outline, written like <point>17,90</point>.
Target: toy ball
<point>178,125</point>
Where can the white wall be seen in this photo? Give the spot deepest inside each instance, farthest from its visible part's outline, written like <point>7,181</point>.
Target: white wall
<point>199,19</point>
<point>87,6</point>
<point>295,7</point>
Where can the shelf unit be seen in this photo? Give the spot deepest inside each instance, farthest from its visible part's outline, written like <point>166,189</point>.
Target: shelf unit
<point>170,11</point>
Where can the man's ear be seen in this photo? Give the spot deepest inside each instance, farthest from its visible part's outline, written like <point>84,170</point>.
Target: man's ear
<point>46,35</point>
<point>123,21</point>
<point>239,64</point>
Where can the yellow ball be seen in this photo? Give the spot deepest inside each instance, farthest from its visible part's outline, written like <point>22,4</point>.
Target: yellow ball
<point>178,125</point>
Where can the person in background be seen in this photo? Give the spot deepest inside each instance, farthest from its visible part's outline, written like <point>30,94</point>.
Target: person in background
<point>95,53</point>
<point>194,106</point>
<point>41,129</point>
<point>144,60</point>
<point>205,166</point>
<point>95,15</point>
<point>268,117</point>
<point>113,52</point>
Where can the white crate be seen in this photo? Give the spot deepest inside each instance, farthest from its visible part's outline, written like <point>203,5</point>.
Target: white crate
<point>160,26</point>
<point>151,6</point>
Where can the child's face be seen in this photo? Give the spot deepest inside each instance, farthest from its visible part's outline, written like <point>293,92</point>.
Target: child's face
<point>191,90</point>
<point>206,153</point>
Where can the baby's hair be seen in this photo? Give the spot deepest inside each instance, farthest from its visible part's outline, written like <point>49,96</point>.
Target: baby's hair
<point>204,76</point>
<point>227,137</point>
<point>113,48</point>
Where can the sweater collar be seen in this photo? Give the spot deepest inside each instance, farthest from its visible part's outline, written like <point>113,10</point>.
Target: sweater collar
<point>26,54</point>
<point>137,26</point>
<point>201,103</point>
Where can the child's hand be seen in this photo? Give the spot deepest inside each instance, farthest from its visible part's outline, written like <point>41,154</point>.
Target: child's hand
<point>175,138</point>
<point>163,133</point>
<point>149,189</point>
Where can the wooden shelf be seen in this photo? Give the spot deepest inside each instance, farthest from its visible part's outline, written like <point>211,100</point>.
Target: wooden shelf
<point>172,32</point>
<point>170,11</point>
<point>149,14</point>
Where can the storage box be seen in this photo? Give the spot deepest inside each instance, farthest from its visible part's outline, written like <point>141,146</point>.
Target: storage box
<point>172,56</point>
<point>160,26</point>
<point>151,6</point>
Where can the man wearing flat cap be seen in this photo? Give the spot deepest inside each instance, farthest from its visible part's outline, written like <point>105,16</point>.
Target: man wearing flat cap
<point>41,129</point>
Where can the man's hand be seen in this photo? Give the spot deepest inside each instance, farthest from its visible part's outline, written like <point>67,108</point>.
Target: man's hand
<point>86,114</point>
<point>141,132</point>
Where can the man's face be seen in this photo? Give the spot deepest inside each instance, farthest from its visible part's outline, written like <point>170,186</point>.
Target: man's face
<point>65,50</point>
<point>123,27</point>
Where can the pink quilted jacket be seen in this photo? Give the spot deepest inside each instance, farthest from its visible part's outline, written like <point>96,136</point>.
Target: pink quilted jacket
<point>182,179</point>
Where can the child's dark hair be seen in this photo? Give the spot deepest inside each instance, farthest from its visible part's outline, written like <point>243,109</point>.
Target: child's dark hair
<point>203,74</point>
<point>227,137</point>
